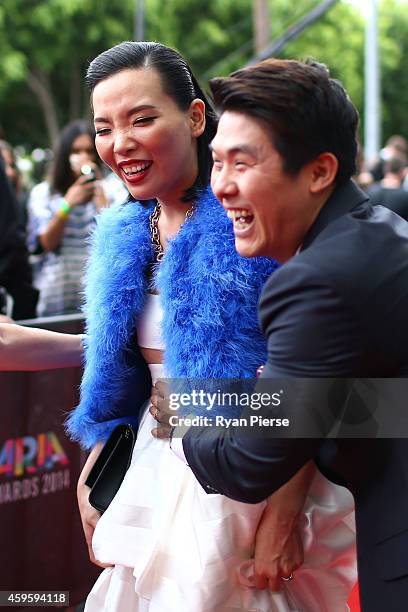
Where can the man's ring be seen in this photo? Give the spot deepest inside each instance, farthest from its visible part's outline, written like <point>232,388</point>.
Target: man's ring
<point>288,578</point>
<point>156,414</point>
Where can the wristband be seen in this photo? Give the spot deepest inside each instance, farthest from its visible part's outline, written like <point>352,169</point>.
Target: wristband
<point>64,210</point>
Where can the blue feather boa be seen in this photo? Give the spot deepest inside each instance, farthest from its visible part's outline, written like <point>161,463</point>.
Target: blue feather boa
<point>209,295</point>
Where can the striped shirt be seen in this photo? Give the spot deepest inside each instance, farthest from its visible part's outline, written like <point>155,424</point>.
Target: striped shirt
<point>59,274</point>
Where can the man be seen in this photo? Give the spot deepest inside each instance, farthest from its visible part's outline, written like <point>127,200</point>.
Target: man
<point>337,308</point>
<point>390,192</point>
<point>396,146</point>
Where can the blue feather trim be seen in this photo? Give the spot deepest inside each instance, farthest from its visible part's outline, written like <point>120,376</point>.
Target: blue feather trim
<point>209,295</point>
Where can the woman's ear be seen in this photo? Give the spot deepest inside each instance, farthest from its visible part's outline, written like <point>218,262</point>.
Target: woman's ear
<point>324,171</point>
<point>197,117</point>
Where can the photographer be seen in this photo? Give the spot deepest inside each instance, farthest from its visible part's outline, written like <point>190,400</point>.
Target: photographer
<point>61,217</point>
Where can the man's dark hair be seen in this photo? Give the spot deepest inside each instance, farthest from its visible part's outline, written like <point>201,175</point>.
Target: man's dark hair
<point>178,82</point>
<point>395,165</point>
<point>305,111</point>
<point>399,143</point>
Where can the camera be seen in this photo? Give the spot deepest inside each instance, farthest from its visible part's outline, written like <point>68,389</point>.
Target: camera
<point>88,171</point>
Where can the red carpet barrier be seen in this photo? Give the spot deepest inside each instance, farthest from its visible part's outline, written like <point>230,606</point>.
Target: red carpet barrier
<point>42,545</point>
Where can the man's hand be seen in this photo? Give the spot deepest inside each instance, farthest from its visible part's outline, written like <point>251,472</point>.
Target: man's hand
<point>278,545</point>
<point>160,411</point>
<point>278,551</point>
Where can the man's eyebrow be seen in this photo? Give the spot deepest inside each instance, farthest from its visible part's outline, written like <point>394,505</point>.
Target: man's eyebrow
<point>132,111</point>
<point>239,148</point>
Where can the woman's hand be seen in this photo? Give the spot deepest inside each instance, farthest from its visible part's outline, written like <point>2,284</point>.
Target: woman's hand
<point>278,544</point>
<point>81,191</point>
<point>89,516</point>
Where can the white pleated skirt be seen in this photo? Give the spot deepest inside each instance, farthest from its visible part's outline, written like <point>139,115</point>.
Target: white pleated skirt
<point>177,549</point>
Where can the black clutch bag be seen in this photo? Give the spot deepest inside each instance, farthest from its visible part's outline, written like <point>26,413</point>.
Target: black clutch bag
<point>110,468</point>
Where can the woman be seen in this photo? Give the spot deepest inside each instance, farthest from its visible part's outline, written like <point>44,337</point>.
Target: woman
<point>166,283</point>
<point>61,217</point>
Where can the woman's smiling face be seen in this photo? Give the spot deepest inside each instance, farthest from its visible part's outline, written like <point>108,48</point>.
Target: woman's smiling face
<point>143,136</point>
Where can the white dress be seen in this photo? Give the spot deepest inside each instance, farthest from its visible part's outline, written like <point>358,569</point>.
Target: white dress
<point>177,549</point>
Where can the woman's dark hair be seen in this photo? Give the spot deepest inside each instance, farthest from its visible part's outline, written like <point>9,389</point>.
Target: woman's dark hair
<point>305,111</point>
<point>62,175</point>
<point>177,81</point>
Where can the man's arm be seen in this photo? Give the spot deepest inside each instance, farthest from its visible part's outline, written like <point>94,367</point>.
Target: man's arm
<point>307,327</point>
<point>245,469</point>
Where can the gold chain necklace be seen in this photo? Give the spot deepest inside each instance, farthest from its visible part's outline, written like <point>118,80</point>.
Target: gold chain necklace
<point>154,229</point>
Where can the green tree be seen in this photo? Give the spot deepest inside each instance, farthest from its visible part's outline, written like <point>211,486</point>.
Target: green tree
<point>46,47</point>
<point>393,26</point>
<point>338,41</point>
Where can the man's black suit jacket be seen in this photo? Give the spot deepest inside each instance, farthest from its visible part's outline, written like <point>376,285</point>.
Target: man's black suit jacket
<point>339,308</point>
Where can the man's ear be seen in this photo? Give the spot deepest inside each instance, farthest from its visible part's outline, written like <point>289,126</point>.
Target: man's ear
<point>324,171</point>
<point>197,117</point>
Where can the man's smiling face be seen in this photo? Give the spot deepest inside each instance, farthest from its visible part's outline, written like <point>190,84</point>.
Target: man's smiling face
<point>271,210</point>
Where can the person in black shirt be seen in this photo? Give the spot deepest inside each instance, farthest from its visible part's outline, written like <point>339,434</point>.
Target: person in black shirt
<point>389,192</point>
<point>15,271</point>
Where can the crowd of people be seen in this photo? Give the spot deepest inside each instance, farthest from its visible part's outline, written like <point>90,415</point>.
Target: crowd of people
<point>54,219</point>
<point>224,521</point>
<point>386,179</point>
